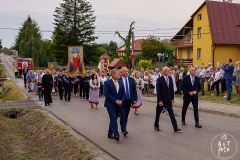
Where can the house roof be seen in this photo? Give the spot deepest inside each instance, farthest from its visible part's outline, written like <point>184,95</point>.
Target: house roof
<point>137,46</point>
<point>105,56</point>
<point>224,21</point>
<point>114,62</point>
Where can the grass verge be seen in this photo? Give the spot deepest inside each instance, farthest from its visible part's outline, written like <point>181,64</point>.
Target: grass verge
<point>36,136</point>
<point>11,92</point>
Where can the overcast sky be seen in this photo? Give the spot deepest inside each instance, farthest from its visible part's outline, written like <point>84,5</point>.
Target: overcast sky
<point>112,15</point>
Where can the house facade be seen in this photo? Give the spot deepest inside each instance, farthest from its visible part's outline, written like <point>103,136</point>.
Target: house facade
<point>211,35</point>
<point>137,48</point>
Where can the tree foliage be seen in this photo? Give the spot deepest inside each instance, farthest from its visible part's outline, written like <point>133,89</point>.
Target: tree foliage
<point>127,44</point>
<point>152,45</point>
<point>145,63</point>
<point>111,48</point>
<point>73,26</point>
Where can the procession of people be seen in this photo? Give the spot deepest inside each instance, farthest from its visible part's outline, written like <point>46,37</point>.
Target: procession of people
<point>123,89</point>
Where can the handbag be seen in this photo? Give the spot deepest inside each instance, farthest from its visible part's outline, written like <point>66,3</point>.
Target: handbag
<point>234,78</point>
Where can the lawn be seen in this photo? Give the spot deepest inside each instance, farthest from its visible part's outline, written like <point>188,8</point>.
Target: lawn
<point>208,96</point>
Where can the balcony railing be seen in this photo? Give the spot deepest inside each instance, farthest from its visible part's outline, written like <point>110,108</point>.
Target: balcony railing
<point>182,43</point>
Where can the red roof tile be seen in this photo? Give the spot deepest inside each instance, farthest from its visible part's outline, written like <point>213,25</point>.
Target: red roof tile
<point>224,19</point>
<point>105,56</point>
<point>137,46</point>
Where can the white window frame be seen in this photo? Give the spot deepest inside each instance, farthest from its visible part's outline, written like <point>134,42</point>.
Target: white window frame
<point>199,17</point>
<point>199,32</point>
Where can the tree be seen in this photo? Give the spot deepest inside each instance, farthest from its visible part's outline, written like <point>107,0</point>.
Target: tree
<point>18,37</point>
<point>1,44</point>
<point>31,41</point>
<point>127,43</point>
<point>170,61</point>
<point>152,45</point>
<point>92,53</point>
<point>111,48</point>
<point>73,26</point>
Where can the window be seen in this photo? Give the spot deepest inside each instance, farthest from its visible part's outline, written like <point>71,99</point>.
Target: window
<point>199,32</point>
<point>191,37</point>
<point>200,17</point>
<point>199,51</point>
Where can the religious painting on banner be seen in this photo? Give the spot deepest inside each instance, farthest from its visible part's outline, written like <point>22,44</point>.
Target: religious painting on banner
<point>75,60</point>
<point>105,64</point>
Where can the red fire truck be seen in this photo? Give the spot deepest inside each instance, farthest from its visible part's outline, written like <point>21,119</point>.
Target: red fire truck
<point>24,63</point>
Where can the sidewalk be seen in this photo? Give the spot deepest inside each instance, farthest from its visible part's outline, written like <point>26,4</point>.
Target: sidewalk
<point>204,106</point>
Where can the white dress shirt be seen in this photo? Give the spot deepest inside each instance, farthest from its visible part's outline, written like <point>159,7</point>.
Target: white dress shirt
<point>192,79</point>
<point>203,73</point>
<point>124,83</point>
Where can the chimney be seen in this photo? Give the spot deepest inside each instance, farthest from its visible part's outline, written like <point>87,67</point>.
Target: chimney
<point>228,1</point>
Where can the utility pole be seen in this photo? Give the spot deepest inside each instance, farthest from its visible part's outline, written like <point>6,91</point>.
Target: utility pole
<point>133,49</point>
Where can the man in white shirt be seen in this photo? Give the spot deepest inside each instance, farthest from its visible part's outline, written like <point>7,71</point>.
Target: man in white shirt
<point>208,74</point>
<point>202,76</point>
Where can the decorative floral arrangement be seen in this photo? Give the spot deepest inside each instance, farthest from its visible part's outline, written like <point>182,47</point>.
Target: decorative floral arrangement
<point>95,83</point>
<point>138,83</point>
<point>183,59</point>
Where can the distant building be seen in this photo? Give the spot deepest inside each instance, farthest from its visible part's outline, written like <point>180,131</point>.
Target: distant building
<point>137,48</point>
<point>117,63</point>
<point>211,35</point>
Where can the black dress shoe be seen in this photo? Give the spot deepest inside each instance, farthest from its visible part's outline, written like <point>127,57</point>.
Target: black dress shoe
<point>125,133</point>
<point>49,104</point>
<point>117,138</point>
<point>228,100</point>
<point>184,123</point>
<point>157,128</point>
<point>45,104</point>
<point>177,130</point>
<point>111,136</point>
<point>198,126</point>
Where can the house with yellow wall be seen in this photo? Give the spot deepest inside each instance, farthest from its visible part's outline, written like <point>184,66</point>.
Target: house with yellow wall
<point>211,35</point>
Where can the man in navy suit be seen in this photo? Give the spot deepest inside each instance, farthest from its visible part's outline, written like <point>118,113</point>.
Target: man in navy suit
<point>165,97</point>
<point>115,97</point>
<point>130,93</point>
<point>191,87</point>
<point>228,76</point>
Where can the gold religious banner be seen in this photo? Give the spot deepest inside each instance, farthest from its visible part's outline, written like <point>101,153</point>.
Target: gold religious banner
<point>75,60</point>
<point>51,66</point>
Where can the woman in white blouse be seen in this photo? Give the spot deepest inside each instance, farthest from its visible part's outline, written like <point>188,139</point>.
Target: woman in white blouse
<point>94,90</point>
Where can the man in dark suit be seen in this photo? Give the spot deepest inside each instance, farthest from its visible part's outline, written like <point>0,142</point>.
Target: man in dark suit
<point>191,87</point>
<point>47,84</point>
<point>115,96</point>
<point>165,97</point>
<point>130,92</point>
<point>228,76</point>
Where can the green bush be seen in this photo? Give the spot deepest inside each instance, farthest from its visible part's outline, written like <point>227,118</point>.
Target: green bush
<point>145,63</point>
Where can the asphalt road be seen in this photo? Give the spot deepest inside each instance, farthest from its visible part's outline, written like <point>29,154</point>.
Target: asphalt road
<point>142,142</point>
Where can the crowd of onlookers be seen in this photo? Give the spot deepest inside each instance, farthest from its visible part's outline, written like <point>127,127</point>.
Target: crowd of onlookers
<point>80,85</point>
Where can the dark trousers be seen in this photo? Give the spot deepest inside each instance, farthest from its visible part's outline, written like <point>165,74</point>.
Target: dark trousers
<point>81,90</point>
<point>60,90</point>
<point>40,93</point>
<point>209,87</point>
<point>75,88</point>
<point>101,90</point>
<point>25,83</point>
<point>178,87</point>
<point>127,106</point>
<point>217,86</point>
<point>113,114</point>
<point>195,109</point>
<point>223,85</point>
<point>67,93</point>
<point>86,93</point>
<point>229,88</point>
<point>171,114</point>
<point>202,80</point>
<point>47,96</point>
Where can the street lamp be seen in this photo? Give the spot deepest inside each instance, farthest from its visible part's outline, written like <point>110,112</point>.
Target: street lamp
<point>159,55</point>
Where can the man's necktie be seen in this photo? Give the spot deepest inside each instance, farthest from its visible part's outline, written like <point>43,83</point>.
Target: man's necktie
<point>115,82</point>
<point>167,81</point>
<point>192,80</point>
<point>127,89</point>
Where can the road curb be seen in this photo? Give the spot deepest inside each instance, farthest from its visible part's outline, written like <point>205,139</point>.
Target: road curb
<point>200,109</point>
